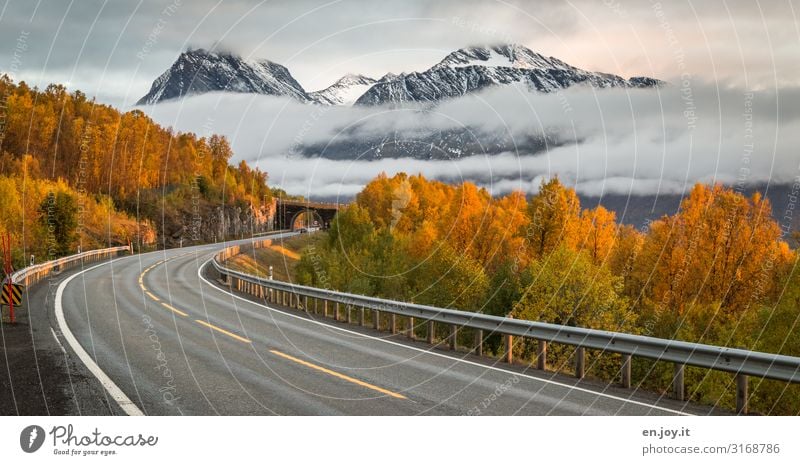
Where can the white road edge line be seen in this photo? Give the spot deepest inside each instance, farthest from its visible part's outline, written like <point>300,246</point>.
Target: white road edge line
<point>53,332</point>
<point>469,362</point>
<point>116,393</point>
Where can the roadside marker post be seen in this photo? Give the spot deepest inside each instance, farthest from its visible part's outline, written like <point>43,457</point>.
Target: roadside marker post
<point>8,287</point>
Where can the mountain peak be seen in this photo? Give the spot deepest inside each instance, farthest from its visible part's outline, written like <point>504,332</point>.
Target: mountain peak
<point>473,69</point>
<point>197,71</point>
<point>501,55</point>
<point>344,91</point>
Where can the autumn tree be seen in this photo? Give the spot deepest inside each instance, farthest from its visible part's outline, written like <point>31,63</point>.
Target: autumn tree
<point>719,248</point>
<point>554,212</point>
<point>58,212</point>
<point>596,233</point>
<point>567,288</point>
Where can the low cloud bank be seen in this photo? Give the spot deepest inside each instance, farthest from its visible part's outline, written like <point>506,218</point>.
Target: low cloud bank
<point>636,142</point>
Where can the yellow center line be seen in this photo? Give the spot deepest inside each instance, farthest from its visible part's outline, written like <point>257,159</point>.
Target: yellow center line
<point>339,375</point>
<point>179,312</point>
<point>149,294</point>
<point>227,333</point>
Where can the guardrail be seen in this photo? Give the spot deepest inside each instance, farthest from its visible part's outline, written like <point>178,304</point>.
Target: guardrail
<point>742,363</point>
<point>35,273</point>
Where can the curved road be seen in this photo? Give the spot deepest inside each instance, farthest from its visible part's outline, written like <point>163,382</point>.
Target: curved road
<point>177,343</point>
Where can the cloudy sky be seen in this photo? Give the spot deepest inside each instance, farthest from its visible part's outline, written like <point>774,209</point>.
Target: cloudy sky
<point>114,49</point>
<point>731,115</point>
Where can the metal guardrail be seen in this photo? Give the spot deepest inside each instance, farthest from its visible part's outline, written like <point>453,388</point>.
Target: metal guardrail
<point>742,363</point>
<point>35,273</point>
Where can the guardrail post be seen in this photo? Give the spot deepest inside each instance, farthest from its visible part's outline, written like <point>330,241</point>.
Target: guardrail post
<point>361,320</point>
<point>677,381</point>
<point>376,320</point>
<point>431,331</point>
<point>626,371</point>
<point>325,308</point>
<point>349,310</point>
<point>410,327</point>
<point>509,347</point>
<point>478,342</point>
<point>541,354</point>
<point>393,323</point>
<point>453,336</point>
<point>316,302</point>
<point>741,394</point>
<point>580,362</point>
<point>336,313</point>
<point>305,303</point>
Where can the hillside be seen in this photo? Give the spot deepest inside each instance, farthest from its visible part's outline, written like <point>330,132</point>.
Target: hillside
<point>123,167</point>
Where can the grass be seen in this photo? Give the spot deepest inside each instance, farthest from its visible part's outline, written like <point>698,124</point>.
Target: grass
<point>282,254</point>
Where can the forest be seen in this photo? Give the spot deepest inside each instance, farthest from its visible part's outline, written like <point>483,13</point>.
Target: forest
<point>719,271</point>
<point>78,174</point>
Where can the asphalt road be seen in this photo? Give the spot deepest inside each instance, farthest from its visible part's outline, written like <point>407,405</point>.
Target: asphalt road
<point>176,343</point>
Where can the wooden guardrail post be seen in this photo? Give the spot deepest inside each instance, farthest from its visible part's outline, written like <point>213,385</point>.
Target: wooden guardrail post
<point>541,354</point>
<point>349,310</point>
<point>741,394</point>
<point>453,337</point>
<point>410,330</point>
<point>509,348</point>
<point>478,342</point>
<point>361,320</point>
<point>305,303</point>
<point>431,331</point>
<point>376,319</point>
<point>580,362</point>
<point>325,308</point>
<point>393,323</point>
<point>677,381</point>
<point>336,313</point>
<point>626,370</point>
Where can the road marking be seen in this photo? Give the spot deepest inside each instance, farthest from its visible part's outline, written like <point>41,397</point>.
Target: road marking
<point>152,296</point>
<point>125,403</point>
<point>227,333</point>
<point>436,354</point>
<point>339,375</point>
<point>181,313</point>
<point>116,393</point>
<point>53,332</point>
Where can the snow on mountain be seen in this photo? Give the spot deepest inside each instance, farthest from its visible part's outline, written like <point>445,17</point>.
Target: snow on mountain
<point>200,71</point>
<point>473,69</point>
<point>345,91</point>
<point>463,71</point>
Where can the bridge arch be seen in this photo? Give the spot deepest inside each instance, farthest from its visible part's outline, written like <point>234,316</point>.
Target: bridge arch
<point>288,211</point>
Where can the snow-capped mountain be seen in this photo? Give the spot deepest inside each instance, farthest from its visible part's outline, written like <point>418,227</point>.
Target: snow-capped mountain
<point>461,72</point>
<point>200,71</point>
<point>345,91</point>
<point>476,68</point>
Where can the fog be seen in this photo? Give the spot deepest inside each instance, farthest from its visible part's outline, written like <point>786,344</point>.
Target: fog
<point>619,141</point>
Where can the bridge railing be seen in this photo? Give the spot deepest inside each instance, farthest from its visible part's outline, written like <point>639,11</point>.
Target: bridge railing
<point>742,363</point>
<point>35,273</point>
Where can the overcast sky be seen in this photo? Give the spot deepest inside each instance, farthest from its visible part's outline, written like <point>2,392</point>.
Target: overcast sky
<point>114,49</point>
